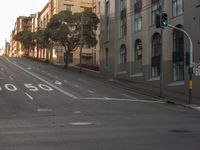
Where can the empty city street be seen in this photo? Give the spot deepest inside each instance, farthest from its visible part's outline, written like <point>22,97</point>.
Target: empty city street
<point>46,107</point>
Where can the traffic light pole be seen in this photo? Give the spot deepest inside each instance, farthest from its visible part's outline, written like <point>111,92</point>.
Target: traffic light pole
<point>190,70</point>
<point>161,64</point>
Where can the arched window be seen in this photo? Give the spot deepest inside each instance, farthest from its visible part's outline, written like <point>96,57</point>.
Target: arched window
<point>138,50</point>
<point>123,54</point>
<point>178,55</point>
<point>156,49</point>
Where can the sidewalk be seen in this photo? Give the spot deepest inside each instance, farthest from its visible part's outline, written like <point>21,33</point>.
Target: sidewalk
<point>146,89</point>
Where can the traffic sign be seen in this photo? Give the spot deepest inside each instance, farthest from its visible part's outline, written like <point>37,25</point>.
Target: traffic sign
<point>196,69</point>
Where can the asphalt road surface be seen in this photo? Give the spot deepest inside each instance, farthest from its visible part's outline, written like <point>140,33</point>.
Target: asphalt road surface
<point>44,107</point>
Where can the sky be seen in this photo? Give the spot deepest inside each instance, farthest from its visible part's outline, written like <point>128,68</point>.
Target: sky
<point>10,10</point>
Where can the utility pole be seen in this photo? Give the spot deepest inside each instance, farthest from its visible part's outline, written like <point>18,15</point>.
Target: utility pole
<point>81,42</point>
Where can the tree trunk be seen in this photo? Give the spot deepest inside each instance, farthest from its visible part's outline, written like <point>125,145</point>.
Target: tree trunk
<point>66,59</point>
<point>47,55</point>
<point>37,52</point>
<point>66,56</point>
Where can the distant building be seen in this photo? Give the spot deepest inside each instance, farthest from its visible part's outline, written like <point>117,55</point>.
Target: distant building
<point>7,49</point>
<point>22,23</point>
<point>131,45</point>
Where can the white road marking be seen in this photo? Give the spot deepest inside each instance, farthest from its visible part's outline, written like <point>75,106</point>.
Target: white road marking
<point>106,98</point>
<point>10,87</point>
<point>31,87</point>
<point>77,112</point>
<point>128,96</point>
<point>11,78</point>
<point>120,99</point>
<point>80,123</point>
<point>44,110</point>
<point>90,91</point>
<point>58,82</point>
<point>29,96</point>
<point>29,68</point>
<point>43,80</point>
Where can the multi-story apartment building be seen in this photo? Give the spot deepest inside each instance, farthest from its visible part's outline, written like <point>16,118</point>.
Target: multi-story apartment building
<point>35,26</point>
<point>132,47</point>
<point>56,55</point>
<point>89,55</point>
<point>43,18</point>
<point>22,23</point>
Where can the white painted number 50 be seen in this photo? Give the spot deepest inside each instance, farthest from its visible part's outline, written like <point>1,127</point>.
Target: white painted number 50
<point>45,87</point>
<point>31,87</point>
<point>10,87</point>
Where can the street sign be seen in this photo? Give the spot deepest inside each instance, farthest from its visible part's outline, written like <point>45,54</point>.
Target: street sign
<point>196,69</point>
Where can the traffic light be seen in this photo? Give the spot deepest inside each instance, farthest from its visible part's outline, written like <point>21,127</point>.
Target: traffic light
<point>163,20</point>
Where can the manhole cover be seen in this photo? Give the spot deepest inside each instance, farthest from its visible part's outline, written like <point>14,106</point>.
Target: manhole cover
<point>180,131</point>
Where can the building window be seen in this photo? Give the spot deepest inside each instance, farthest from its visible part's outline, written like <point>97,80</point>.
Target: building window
<point>107,19</point>
<point>138,50</point>
<point>178,55</point>
<point>123,54</point>
<point>137,22</point>
<point>88,9</point>
<point>155,9</point>
<point>138,15</point>
<point>156,48</point>
<point>68,7</point>
<point>123,20</point>
<point>177,6</point>
<point>106,56</point>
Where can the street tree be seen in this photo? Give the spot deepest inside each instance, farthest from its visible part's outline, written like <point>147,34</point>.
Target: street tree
<point>43,41</point>
<point>27,39</point>
<point>64,28</point>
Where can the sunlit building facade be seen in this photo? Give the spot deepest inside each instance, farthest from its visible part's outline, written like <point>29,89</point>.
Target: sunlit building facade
<point>89,55</point>
<point>22,23</point>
